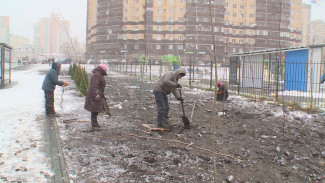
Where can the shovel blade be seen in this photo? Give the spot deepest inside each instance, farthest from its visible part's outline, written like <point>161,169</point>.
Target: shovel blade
<point>186,122</point>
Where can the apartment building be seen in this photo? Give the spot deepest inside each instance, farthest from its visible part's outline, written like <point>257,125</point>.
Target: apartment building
<point>127,29</point>
<point>50,34</point>
<point>4,29</point>
<point>317,32</point>
<point>305,18</point>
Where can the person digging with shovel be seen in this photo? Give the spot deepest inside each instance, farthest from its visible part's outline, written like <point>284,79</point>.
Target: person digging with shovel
<point>167,83</point>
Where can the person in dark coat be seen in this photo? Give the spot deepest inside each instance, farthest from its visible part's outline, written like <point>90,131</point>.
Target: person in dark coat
<point>49,83</point>
<point>95,94</point>
<point>167,83</point>
<point>222,92</point>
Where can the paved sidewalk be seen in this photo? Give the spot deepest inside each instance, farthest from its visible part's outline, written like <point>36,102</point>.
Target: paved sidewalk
<point>53,150</point>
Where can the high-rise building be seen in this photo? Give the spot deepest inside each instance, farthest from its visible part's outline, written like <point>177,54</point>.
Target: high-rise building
<point>4,29</point>
<point>127,29</point>
<point>18,41</point>
<point>317,32</point>
<point>50,34</point>
<point>306,12</point>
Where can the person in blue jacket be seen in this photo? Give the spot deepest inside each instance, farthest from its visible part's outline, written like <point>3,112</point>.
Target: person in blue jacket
<point>49,83</point>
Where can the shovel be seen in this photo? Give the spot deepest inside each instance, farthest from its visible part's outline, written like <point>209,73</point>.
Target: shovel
<point>185,119</point>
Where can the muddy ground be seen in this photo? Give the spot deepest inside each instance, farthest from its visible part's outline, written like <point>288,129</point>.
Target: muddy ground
<point>262,146</point>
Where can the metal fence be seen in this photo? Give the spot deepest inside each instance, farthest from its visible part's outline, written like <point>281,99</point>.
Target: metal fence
<point>290,75</point>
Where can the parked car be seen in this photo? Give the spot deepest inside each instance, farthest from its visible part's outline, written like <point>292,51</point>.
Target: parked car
<point>66,61</point>
<point>103,61</point>
<point>91,61</point>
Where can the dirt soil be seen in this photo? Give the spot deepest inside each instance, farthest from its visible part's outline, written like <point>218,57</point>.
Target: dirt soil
<point>255,142</point>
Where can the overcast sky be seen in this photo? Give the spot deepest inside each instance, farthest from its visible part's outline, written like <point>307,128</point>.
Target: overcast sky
<point>26,13</point>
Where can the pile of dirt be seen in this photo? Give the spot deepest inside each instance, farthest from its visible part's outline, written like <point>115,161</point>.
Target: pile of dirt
<point>255,141</point>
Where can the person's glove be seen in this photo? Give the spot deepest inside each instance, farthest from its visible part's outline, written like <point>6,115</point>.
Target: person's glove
<point>178,85</point>
<point>65,84</point>
<point>180,99</point>
<point>97,97</point>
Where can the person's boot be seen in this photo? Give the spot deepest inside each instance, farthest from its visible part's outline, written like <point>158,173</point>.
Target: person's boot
<point>94,122</point>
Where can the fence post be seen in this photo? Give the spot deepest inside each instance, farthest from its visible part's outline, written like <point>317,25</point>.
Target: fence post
<point>277,78</point>
<point>239,68</point>
<point>211,66</point>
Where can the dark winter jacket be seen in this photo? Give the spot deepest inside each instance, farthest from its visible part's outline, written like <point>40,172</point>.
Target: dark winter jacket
<point>222,93</point>
<point>95,94</point>
<point>167,82</point>
<point>51,78</point>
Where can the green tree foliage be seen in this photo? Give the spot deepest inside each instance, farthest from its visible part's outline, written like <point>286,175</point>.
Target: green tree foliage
<point>84,82</point>
<point>77,77</point>
<point>80,77</point>
<point>70,70</point>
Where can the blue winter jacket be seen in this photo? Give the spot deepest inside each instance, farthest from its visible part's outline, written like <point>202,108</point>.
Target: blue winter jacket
<point>51,78</point>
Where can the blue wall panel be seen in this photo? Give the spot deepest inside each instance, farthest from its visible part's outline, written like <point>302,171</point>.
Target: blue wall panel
<point>296,70</point>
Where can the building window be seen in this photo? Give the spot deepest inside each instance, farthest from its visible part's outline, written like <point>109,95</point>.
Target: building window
<point>137,10</point>
<point>252,7</point>
<point>180,47</point>
<point>158,28</point>
<point>171,19</point>
<point>180,28</point>
<point>234,14</point>
<point>136,28</point>
<point>125,37</point>
<point>181,10</point>
<point>137,1</point>
<point>181,1</point>
<point>234,50</point>
<point>125,10</point>
<point>126,1</point>
<point>158,38</point>
<point>180,38</point>
<point>158,47</point>
<point>125,28</point>
<point>242,7</point>
<point>170,37</point>
<point>136,19</point>
<point>242,15</point>
<point>158,19</point>
<point>159,11</point>
<point>233,40</point>
<point>251,15</point>
<point>234,6</point>
<point>171,10</point>
<point>125,19</point>
<point>171,1</point>
<point>171,28</point>
<point>136,37</point>
<point>136,46</point>
<point>226,5</point>
<point>159,2</point>
<point>170,47</point>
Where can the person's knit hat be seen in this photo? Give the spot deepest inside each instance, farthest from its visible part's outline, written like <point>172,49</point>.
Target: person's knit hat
<point>103,66</point>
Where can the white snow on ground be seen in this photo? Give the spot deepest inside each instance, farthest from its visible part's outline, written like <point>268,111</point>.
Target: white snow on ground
<point>20,133</point>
